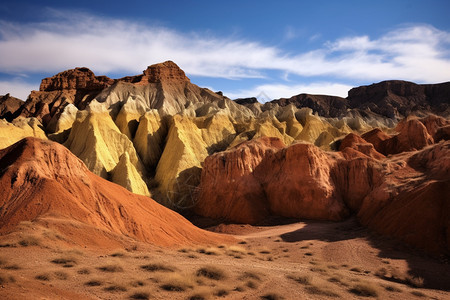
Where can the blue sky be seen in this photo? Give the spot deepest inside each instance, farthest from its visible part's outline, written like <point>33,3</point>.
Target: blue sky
<point>242,48</point>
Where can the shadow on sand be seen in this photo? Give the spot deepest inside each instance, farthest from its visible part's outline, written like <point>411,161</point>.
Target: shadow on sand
<point>435,271</point>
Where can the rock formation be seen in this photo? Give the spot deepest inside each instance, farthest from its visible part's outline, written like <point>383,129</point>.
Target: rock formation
<point>19,129</point>
<point>260,178</point>
<point>9,106</point>
<point>43,182</point>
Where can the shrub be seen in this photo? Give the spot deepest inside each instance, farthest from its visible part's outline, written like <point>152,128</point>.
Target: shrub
<point>115,288</point>
<point>43,277</point>
<point>140,296</point>
<point>94,282</point>
<point>157,267</point>
<point>111,268</point>
<point>303,279</point>
<point>365,289</point>
<point>211,272</point>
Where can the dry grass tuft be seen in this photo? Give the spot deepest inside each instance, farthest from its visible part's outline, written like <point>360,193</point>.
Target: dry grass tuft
<point>43,277</point>
<point>264,251</point>
<point>61,275</point>
<point>110,268</point>
<point>6,279</point>
<point>200,294</point>
<point>413,281</point>
<point>29,240</point>
<point>211,251</point>
<point>392,288</point>
<point>251,284</point>
<point>12,267</point>
<point>221,292</point>
<point>250,275</point>
<point>67,262</point>
<point>177,283</point>
<point>365,289</point>
<point>272,296</point>
<point>303,279</point>
<point>84,271</point>
<point>115,288</point>
<point>118,254</point>
<point>94,282</point>
<point>320,291</point>
<point>137,283</point>
<point>158,267</point>
<point>418,294</point>
<point>211,272</point>
<point>140,296</point>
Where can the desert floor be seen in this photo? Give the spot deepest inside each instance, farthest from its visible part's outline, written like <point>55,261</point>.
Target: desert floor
<point>299,260</point>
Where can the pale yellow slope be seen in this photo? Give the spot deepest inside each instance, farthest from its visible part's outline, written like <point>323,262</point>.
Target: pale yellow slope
<point>126,175</point>
<point>11,133</point>
<point>97,141</point>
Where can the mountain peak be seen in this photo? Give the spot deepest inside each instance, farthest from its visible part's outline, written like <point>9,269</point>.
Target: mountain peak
<point>167,71</point>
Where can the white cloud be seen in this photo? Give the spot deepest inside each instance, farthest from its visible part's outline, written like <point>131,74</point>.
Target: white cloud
<point>276,91</point>
<point>17,88</point>
<point>415,52</point>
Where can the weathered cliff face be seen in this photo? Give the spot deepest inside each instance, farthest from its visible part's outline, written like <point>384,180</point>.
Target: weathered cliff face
<point>400,98</point>
<point>261,177</point>
<point>392,99</point>
<point>76,86</point>
<point>229,188</point>
<point>324,105</point>
<point>256,179</point>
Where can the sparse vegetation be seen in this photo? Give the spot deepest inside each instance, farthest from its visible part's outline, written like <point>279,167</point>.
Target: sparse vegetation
<point>140,296</point>
<point>157,267</point>
<point>6,279</point>
<point>12,267</point>
<point>67,262</point>
<point>118,254</point>
<point>272,296</point>
<point>94,282</point>
<point>392,288</point>
<point>211,251</point>
<point>365,289</point>
<point>61,275</point>
<point>414,281</point>
<point>84,271</point>
<point>319,290</point>
<point>111,268</point>
<point>29,241</point>
<point>43,277</point>
<point>250,275</point>
<point>418,294</point>
<point>221,292</point>
<point>303,279</point>
<point>177,283</point>
<point>115,288</point>
<point>211,272</point>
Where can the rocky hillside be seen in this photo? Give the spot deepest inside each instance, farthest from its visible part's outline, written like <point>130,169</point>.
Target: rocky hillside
<point>406,195</point>
<point>43,182</point>
<point>152,132</point>
<point>392,99</point>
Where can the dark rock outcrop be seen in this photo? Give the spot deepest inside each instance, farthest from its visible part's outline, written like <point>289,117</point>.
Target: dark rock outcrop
<point>9,106</point>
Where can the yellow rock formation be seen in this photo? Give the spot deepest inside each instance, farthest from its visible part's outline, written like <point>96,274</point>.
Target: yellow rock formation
<point>126,175</point>
<point>11,133</point>
<point>97,141</point>
<point>149,138</point>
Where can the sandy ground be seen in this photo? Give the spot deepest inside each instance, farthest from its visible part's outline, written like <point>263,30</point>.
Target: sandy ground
<point>301,260</point>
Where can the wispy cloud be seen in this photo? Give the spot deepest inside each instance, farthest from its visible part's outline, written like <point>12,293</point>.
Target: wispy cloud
<point>17,87</point>
<point>415,52</point>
